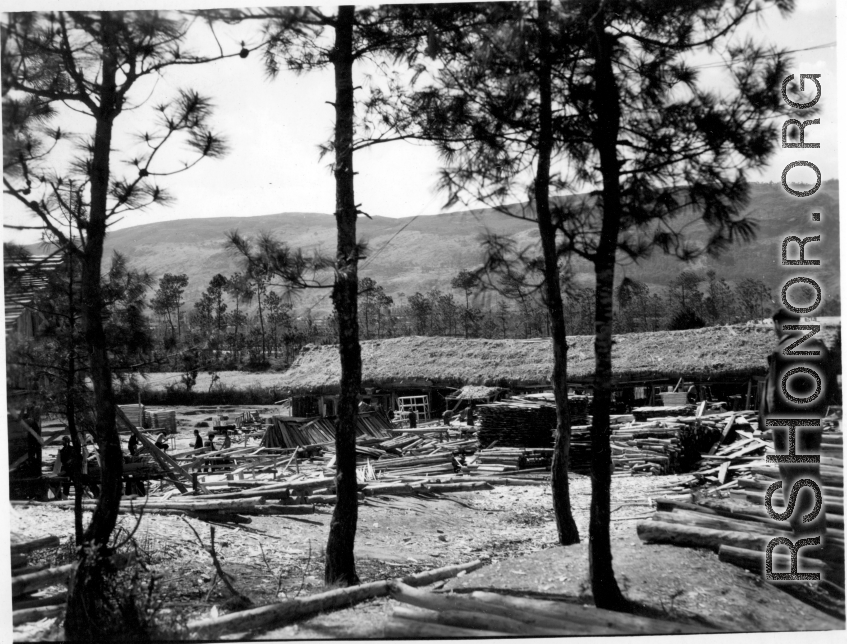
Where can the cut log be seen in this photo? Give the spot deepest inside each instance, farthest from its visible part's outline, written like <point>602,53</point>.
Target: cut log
<point>428,577</point>
<point>399,628</point>
<point>280,509</point>
<point>273,493</point>
<point>28,570</point>
<point>476,621</point>
<point>34,614</point>
<point>698,537</point>
<point>754,484</point>
<point>459,487</point>
<point>595,620</point>
<point>280,613</point>
<point>35,544</point>
<point>52,600</point>
<point>831,506</point>
<point>394,488</point>
<point>19,560</point>
<point>754,560</point>
<point>41,579</point>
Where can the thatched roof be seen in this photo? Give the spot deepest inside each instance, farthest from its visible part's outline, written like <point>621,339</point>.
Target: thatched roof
<point>701,354</point>
<point>474,392</point>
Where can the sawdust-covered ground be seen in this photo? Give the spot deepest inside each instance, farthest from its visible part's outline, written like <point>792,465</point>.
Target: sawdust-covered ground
<point>511,528</point>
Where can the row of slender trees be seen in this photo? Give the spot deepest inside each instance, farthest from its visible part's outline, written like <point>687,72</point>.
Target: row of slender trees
<point>594,97</point>
<point>237,317</point>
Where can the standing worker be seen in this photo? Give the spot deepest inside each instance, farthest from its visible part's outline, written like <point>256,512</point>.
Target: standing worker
<point>67,461</point>
<point>198,440</point>
<point>471,418</point>
<point>132,444</point>
<point>413,419</point>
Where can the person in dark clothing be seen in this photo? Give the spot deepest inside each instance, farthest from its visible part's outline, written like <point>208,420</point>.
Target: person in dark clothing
<point>132,445</point>
<point>67,459</point>
<point>198,440</point>
<point>447,416</point>
<point>470,416</point>
<point>775,405</point>
<point>413,419</point>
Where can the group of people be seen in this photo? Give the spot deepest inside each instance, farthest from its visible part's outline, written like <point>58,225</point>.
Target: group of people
<point>209,443</point>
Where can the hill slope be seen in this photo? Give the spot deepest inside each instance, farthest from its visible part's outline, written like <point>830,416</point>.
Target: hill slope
<point>407,256</point>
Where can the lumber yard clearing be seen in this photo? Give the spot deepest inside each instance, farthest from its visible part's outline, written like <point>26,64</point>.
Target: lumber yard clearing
<point>456,534</point>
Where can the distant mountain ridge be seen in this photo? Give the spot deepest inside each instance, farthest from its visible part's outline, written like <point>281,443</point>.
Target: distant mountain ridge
<point>408,255</point>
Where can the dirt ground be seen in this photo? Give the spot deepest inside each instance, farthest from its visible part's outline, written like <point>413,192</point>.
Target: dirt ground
<point>511,528</point>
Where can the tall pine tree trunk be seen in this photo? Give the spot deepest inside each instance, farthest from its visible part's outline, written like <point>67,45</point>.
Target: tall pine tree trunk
<point>565,523</point>
<point>604,587</point>
<point>340,564</point>
<point>85,590</point>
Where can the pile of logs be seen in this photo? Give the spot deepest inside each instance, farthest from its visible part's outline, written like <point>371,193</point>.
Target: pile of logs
<point>29,581</point>
<point>739,528</point>
<point>427,615</point>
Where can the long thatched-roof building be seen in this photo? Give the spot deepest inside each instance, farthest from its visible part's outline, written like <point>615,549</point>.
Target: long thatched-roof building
<point>728,354</point>
<point>711,353</point>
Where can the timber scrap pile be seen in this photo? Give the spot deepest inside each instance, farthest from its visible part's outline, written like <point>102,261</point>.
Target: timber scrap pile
<point>731,519</point>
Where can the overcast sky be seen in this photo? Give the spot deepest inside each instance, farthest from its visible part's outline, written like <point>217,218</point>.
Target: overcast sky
<point>274,128</point>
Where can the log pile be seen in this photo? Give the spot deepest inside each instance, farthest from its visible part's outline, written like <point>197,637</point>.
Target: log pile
<point>739,527</point>
<point>29,580</point>
<point>673,444</point>
<point>421,614</point>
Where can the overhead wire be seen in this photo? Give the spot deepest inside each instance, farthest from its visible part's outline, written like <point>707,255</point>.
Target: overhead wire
<point>716,64</point>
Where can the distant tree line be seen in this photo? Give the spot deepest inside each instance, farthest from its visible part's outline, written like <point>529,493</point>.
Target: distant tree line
<point>240,320</point>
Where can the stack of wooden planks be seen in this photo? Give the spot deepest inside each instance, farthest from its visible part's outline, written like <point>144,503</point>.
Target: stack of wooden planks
<point>523,422</point>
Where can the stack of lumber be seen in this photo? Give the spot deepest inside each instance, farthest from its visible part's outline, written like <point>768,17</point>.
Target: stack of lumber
<point>291,431</point>
<point>427,615</point>
<point>136,414</point>
<point>674,398</point>
<point>524,423</point>
<point>165,420</point>
<point>29,604</point>
<point>645,413</point>
<point>512,459</point>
